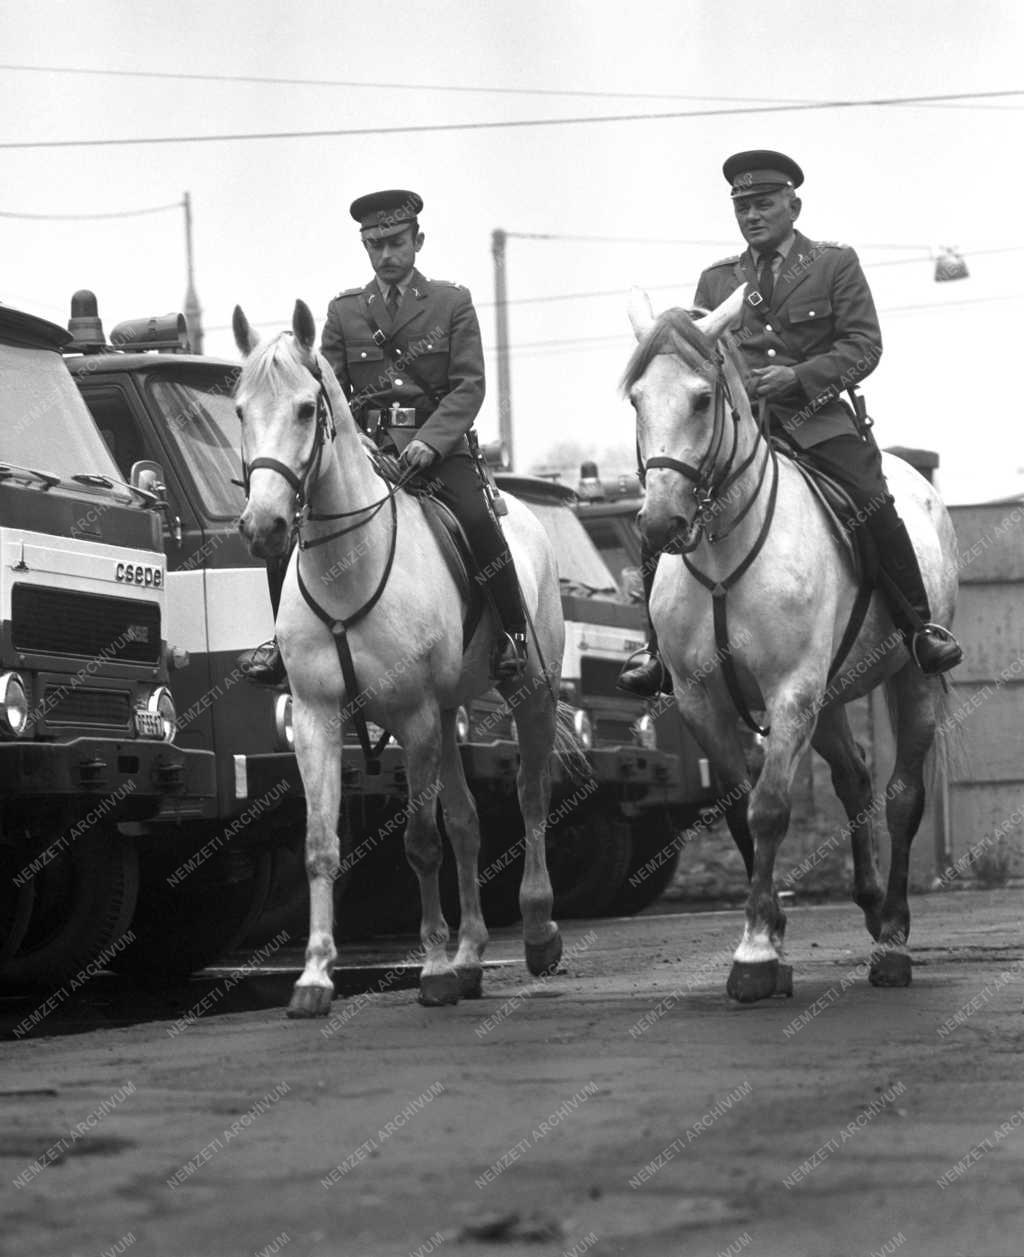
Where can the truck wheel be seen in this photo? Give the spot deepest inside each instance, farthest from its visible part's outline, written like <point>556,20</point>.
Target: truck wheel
<point>179,929</point>
<point>15,907</point>
<point>83,904</point>
<point>587,860</point>
<point>287,905</point>
<point>654,863</point>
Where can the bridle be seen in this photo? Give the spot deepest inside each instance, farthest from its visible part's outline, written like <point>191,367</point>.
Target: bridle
<point>303,484</point>
<point>711,482</point>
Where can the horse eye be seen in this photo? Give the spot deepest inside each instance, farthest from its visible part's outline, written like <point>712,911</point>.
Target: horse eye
<point>701,401</point>
<point>306,410</point>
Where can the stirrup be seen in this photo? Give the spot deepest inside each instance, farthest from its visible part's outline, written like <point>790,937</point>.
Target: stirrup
<point>944,635</point>
<point>504,668</point>
<point>653,656</point>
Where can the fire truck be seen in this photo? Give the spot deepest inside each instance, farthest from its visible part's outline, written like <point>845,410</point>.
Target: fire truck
<point>90,766</point>
<point>169,421</point>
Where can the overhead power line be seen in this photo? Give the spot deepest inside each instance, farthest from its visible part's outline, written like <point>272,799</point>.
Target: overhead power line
<point>505,124</point>
<point>135,213</point>
<point>397,87</point>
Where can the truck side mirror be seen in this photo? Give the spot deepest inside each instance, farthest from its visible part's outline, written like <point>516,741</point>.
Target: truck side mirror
<point>149,475</point>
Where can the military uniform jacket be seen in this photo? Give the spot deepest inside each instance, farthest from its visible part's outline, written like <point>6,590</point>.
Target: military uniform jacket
<point>437,331</point>
<point>821,321</point>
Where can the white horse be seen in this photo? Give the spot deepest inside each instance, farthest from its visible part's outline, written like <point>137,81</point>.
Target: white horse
<point>376,572</point>
<point>716,491</point>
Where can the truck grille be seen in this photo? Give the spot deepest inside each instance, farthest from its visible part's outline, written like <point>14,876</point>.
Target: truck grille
<point>93,626</point>
<point>107,709</point>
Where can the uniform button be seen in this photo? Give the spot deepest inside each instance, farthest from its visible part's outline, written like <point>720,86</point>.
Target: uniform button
<point>810,314</point>
<point>771,353</point>
<point>768,327</point>
<point>363,355</point>
<point>398,383</point>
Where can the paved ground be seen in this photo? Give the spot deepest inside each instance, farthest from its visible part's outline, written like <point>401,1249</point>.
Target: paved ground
<point>623,1107</point>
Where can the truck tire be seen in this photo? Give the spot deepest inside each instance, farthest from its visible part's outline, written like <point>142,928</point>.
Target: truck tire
<point>182,928</point>
<point>83,905</point>
<point>15,907</point>
<point>287,904</point>
<point>652,840</point>
<point>588,857</point>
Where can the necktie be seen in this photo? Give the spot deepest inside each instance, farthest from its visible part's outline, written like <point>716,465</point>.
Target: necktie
<point>765,276</point>
<point>392,300</point>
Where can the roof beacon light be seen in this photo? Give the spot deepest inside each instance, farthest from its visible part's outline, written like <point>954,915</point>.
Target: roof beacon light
<point>164,332</point>
<point>85,324</point>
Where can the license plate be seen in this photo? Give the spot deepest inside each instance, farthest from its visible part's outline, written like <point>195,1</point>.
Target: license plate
<point>148,724</point>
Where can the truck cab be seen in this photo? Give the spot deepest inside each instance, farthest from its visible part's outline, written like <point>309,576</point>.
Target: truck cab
<point>89,757</point>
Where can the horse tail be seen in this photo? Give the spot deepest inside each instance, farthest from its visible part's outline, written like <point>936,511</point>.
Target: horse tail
<point>568,748</point>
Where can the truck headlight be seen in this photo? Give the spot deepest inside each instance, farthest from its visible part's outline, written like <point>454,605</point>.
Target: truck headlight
<point>462,725</point>
<point>13,705</point>
<point>646,732</point>
<point>583,729</point>
<point>283,723</point>
<point>161,704</point>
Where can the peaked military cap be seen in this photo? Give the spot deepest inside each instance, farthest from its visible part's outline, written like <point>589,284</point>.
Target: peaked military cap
<point>384,214</point>
<point>761,170</point>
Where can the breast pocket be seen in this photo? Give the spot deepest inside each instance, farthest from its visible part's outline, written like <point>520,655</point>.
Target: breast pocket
<point>810,310</point>
<point>366,367</point>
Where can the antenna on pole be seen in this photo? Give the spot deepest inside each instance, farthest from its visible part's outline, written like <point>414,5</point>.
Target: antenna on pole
<point>498,240</point>
<point>193,310</point>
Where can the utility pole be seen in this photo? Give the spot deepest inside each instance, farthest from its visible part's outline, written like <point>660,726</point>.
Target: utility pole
<point>193,310</point>
<point>498,239</point>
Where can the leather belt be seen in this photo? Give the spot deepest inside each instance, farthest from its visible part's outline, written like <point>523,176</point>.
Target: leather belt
<point>396,417</point>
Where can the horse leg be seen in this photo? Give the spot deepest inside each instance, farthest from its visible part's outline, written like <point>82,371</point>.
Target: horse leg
<point>759,969</point>
<point>463,826</point>
<point>420,734</point>
<point>318,751</point>
<point>912,698</point>
<point>535,726</point>
<point>851,781</point>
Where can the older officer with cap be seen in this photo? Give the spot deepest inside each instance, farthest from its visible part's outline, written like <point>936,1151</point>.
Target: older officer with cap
<point>807,332</point>
<point>406,350</point>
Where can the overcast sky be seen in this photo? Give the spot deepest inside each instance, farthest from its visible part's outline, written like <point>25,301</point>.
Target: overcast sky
<point>271,216</point>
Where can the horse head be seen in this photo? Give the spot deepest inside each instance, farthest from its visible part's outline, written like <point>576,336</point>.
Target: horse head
<point>674,382</point>
<point>286,425</point>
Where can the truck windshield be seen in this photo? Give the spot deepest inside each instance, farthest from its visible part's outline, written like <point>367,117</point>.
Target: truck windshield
<point>579,562</point>
<point>199,413</point>
<point>44,424</point>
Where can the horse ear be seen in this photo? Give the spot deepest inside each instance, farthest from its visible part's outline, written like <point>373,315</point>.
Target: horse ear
<point>245,338</point>
<point>715,323</point>
<point>641,312</point>
<point>303,326</point>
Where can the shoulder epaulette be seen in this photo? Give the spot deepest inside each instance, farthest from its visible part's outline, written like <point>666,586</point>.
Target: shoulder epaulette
<point>832,244</point>
<point>348,292</point>
<point>447,283</point>
<point>736,257</point>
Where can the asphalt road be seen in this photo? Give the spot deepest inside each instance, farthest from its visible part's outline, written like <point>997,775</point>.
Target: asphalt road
<point>624,1106</point>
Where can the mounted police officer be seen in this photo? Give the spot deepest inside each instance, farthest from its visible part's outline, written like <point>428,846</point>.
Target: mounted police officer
<point>407,352</point>
<point>809,331</point>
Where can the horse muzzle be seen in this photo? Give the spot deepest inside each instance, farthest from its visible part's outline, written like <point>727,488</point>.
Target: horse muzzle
<point>266,535</point>
<point>669,534</point>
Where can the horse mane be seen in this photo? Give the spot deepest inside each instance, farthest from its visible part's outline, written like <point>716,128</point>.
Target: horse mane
<point>275,366</point>
<point>673,332</point>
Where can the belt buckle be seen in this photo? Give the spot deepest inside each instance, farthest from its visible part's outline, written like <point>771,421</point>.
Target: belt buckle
<point>402,417</point>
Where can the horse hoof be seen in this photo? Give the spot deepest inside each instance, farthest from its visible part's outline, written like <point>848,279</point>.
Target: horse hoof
<point>750,981</point>
<point>784,982</point>
<point>310,1001</point>
<point>471,978</point>
<point>439,988</point>
<point>890,968</point>
<point>542,959</point>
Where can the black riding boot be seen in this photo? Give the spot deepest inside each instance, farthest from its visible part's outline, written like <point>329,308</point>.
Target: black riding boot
<point>264,665</point>
<point>933,648</point>
<point>649,677</point>
<point>508,660</point>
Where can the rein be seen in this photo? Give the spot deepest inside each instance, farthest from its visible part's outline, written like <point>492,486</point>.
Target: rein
<point>708,488</point>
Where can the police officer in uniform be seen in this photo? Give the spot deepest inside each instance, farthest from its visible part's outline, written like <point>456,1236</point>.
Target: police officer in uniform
<point>808,332</point>
<point>407,352</point>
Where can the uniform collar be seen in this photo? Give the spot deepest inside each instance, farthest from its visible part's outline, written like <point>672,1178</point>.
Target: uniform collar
<point>781,252</point>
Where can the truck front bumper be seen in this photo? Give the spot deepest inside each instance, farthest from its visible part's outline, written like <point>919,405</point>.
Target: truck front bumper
<point>141,776</point>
